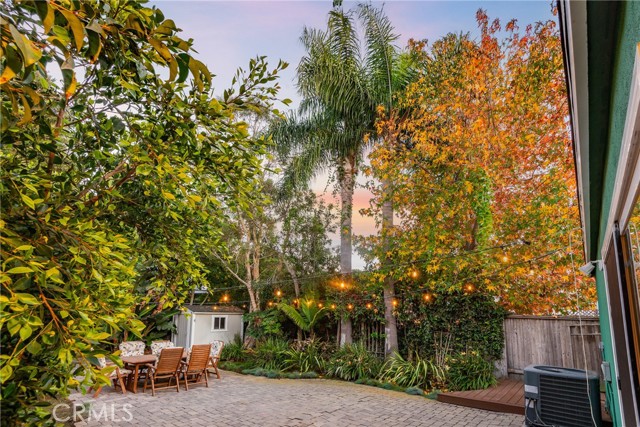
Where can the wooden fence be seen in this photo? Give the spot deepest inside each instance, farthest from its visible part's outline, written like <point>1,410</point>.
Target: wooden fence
<point>566,341</point>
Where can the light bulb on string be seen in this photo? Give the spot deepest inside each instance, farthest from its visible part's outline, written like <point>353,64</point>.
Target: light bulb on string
<point>320,305</point>
<point>414,274</point>
<point>342,285</point>
<point>369,305</point>
<point>350,306</point>
<point>426,297</point>
<point>278,293</point>
<point>395,302</point>
<point>469,287</point>
<point>505,258</point>
<point>333,306</point>
<point>270,304</point>
<point>225,298</point>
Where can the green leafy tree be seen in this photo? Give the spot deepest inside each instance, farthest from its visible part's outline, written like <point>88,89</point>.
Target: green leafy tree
<point>114,180</point>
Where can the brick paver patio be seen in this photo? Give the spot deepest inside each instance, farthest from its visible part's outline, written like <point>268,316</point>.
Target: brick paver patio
<point>239,400</point>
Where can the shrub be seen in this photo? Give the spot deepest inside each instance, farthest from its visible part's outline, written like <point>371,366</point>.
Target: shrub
<point>309,357</point>
<point>420,373</point>
<point>234,366</point>
<point>470,371</point>
<point>352,362</point>
<point>472,320</point>
<point>414,390</point>
<point>234,351</point>
<point>271,354</point>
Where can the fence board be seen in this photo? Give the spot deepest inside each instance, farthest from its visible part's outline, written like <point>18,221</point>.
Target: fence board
<point>548,340</point>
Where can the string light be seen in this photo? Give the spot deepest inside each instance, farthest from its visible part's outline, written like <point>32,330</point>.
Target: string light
<point>426,297</point>
<point>395,302</point>
<point>505,258</point>
<point>414,274</point>
<point>278,293</point>
<point>342,285</point>
<point>369,305</point>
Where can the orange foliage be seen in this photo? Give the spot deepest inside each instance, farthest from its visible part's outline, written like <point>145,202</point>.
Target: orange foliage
<point>481,165</point>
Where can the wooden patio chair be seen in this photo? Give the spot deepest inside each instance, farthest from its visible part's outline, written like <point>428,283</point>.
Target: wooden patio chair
<point>157,346</point>
<point>195,371</point>
<point>216,351</point>
<point>117,376</point>
<point>166,368</point>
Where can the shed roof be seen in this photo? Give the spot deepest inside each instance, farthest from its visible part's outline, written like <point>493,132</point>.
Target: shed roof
<point>223,309</point>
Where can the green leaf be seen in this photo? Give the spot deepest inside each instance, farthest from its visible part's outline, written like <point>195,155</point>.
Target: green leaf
<point>76,27</point>
<point>34,347</point>
<point>27,299</point>
<point>46,14</point>
<point>5,373</point>
<point>12,65</point>
<point>25,332</point>
<point>13,326</point>
<point>30,53</point>
<point>20,270</point>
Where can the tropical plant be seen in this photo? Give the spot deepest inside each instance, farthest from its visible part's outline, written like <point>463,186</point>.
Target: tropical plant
<point>264,324</point>
<point>233,351</point>
<point>114,180</point>
<point>306,316</point>
<point>353,362</point>
<point>342,89</point>
<point>470,371</point>
<point>309,357</point>
<point>271,354</point>
<point>417,372</point>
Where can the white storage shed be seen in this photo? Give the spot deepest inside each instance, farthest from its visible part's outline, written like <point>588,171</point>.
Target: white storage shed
<point>202,324</point>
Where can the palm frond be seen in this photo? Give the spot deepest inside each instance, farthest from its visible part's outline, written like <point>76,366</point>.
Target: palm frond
<point>296,316</point>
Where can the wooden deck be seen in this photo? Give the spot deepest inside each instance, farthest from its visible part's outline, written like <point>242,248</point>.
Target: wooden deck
<point>507,396</point>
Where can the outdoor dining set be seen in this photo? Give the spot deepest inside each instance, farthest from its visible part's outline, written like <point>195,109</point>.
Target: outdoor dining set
<point>165,366</point>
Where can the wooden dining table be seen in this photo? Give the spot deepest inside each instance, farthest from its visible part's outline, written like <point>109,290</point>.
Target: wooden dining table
<point>134,362</point>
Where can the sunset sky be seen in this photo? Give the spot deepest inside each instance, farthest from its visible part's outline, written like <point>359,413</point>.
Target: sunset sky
<point>228,34</point>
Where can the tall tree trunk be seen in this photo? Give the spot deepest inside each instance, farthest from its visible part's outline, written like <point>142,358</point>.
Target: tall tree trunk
<point>390,327</point>
<point>346,198</point>
<point>294,276</point>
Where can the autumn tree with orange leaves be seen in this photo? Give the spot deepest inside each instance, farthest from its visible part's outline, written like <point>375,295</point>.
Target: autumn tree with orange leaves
<point>482,175</point>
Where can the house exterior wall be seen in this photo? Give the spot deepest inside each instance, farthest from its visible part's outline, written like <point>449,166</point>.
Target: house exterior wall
<point>204,335</point>
<point>180,336</point>
<point>628,38</point>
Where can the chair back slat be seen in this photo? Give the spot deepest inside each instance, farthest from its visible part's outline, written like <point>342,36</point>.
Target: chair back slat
<point>169,360</point>
<point>199,357</point>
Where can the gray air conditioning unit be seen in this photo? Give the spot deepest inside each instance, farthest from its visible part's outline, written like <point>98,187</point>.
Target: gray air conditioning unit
<point>561,397</point>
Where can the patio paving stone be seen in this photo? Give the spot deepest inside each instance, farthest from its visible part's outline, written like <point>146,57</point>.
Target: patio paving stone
<point>239,400</point>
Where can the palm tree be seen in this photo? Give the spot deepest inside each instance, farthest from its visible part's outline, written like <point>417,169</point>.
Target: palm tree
<point>305,318</point>
<point>342,89</point>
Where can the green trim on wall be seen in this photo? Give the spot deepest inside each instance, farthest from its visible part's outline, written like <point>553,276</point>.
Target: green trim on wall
<point>611,388</point>
<point>602,21</point>
<point>615,29</point>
